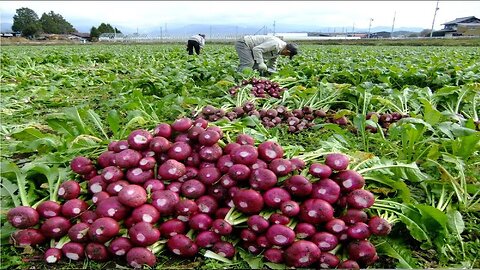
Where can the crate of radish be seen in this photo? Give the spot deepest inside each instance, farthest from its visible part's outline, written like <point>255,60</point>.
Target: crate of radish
<point>183,189</point>
<point>261,88</point>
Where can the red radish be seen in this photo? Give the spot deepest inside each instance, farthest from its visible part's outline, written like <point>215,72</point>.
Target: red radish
<point>23,217</point>
<point>206,239</point>
<point>337,161</point>
<point>69,190</point>
<point>171,170</point>
<point>182,245</point>
<point>224,249</point>
<point>96,184</point>
<point>297,164</point>
<point>274,197</point>
<point>143,234</point>
<point>53,255</point>
<point>335,226</point>
<point>315,211</point>
<point>172,227</point>
<point>224,163</point>
<point>210,153</point>
<point>73,208</point>
<point>227,182</point>
<point>190,173</point>
<point>358,230</point>
<point>280,166</point>
<point>245,139</point>
<point>192,189</point>
<point>304,230</point>
<point>280,235</point>
<point>174,186</point>
<point>153,185</point>
<point>163,130</point>
<point>146,212</point>
<point>165,201</point>
<point>139,175</point>
<point>248,201</point>
<point>114,188</point>
<point>112,174</point>
<point>327,190</point>
<point>274,255</point>
<point>325,241</point>
<point>160,144</point>
<point>348,264</point>
<point>55,227</point>
<point>328,260</point>
<point>259,164</point>
<point>103,229</point>
<point>79,232</point>
<point>127,158</point>
<point>179,151</point>
<point>222,227</point>
<point>96,252</point>
<point>298,185</point>
<point>277,218</point>
<point>290,208</point>
<point>209,175</point>
<point>230,147</point>
<point>73,251</point>
<point>27,237</point>
<point>185,208</point>
<point>350,180</point>
<point>361,251</point>
<point>320,170</point>
<point>360,198</point>
<point>137,257</point>
<point>120,146</point>
<point>248,235</point>
<point>81,165</point>
<point>262,179</point>
<point>182,124</point>
<point>48,209</point>
<point>88,217</point>
<point>208,138</point>
<point>106,159</point>
<point>302,253</point>
<point>245,154</point>
<point>200,123</point>
<point>269,151</point>
<point>252,247</point>
<point>132,196</point>
<point>239,172</point>
<point>353,216</point>
<point>207,204</point>
<point>120,246</point>
<point>379,226</point>
<point>111,207</point>
<point>139,139</point>
<point>100,196</point>
<point>200,222</point>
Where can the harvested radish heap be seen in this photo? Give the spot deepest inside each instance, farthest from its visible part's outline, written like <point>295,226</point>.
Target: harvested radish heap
<point>260,88</point>
<point>177,187</point>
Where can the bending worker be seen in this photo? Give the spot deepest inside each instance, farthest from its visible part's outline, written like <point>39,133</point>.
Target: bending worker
<point>197,42</point>
<point>257,51</point>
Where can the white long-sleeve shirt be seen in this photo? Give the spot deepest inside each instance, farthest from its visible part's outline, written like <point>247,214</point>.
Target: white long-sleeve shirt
<point>198,39</point>
<point>265,47</point>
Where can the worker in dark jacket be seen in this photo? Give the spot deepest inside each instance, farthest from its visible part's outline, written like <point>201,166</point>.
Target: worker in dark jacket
<point>197,42</point>
<point>259,50</point>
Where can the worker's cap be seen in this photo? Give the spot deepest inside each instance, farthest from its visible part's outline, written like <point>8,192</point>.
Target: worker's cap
<point>293,49</point>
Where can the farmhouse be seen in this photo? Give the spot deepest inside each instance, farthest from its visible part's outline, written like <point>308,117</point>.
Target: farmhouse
<point>465,26</point>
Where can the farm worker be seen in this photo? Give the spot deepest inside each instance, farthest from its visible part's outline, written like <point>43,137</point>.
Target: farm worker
<point>197,42</point>
<point>254,51</point>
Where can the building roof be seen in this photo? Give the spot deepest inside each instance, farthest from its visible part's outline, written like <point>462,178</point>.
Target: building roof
<point>459,20</point>
<point>82,35</point>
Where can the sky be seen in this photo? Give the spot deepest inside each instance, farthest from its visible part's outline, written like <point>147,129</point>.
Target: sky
<point>146,15</point>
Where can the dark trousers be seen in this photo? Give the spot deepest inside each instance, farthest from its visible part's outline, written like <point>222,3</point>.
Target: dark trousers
<point>191,44</point>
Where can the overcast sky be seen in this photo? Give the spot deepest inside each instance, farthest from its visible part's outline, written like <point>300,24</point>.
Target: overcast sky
<point>154,14</point>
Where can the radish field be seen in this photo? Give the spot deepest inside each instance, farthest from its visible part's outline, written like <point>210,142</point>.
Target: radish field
<point>406,117</point>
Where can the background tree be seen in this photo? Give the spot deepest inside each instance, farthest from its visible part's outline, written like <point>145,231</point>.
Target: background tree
<point>53,23</point>
<point>94,33</point>
<point>103,28</point>
<point>26,21</point>
<point>425,33</point>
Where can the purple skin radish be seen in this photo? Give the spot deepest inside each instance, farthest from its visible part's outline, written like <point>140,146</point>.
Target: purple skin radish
<point>192,189</point>
<point>348,264</point>
<point>53,255</point>
<point>165,201</point>
<point>280,235</point>
<point>153,185</point>
<point>185,208</point>
<point>96,252</point>
<point>200,123</point>
<point>361,251</point>
<point>112,174</point>
<point>73,251</point>
<point>160,144</point>
<point>252,247</point>
<point>79,232</point>
<point>222,227</point>
<point>304,230</point>
<point>208,138</point>
<point>218,192</point>
<point>290,208</point>
<point>48,209</point>
<point>139,139</point>
<point>335,226</point>
<point>139,176</point>
<point>143,234</point>
<point>88,217</point>
<point>163,130</point>
<point>127,158</point>
<point>248,235</point>
<point>194,132</point>
<point>146,213</point>
<point>277,218</point>
<point>274,197</point>
<point>120,246</point>
<point>328,261</point>
<point>379,226</point>
<point>111,207</point>
<point>55,227</point>
<point>325,241</point>
<point>200,222</point>
<point>96,184</point>
<point>179,151</point>
<point>81,165</point>
<point>245,139</point>
<point>182,124</point>
<point>230,147</point>
<point>297,164</point>
<point>181,245</point>
<point>137,257</point>
<point>69,190</point>
<point>274,255</point>
<point>257,223</point>
<point>120,146</point>
<point>327,190</point>
<point>360,199</point>
<point>23,217</point>
<point>349,180</point>
<point>302,253</point>
<point>337,161</point>
<point>73,208</point>
<point>358,231</point>
<point>103,229</point>
<point>27,237</point>
<point>320,170</point>
<point>262,179</point>
<point>259,164</point>
<point>224,249</point>
<point>239,172</point>
<point>224,163</point>
<point>183,137</point>
<point>171,170</point>
<point>172,227</point>
<point>106,159</point>
<point>315,211</point>
<point>353,216</point>
<point>248,201</point>
<point>269,151</point>
<point>210,153</point>
<point>114,188</point>
<point>174,186</point>
<point>280,166</point>
<point>245,154</point>
<point>100,196</point>
<point>298,185</point>
<point>227,182</point>
<point>207,204</point>
<point>132,196</point>
<point>206,239</point>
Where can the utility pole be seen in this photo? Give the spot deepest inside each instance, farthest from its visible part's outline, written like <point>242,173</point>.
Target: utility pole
<point>161,34</point>
<point>353,28</point>
<point>393,24</point>
<point>369,27</point>
<point>434,15</point>
<point>274,27</point>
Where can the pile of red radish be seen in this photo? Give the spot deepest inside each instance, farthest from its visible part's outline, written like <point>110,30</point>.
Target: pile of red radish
<point>181,185</point>
<point>260,88</point>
